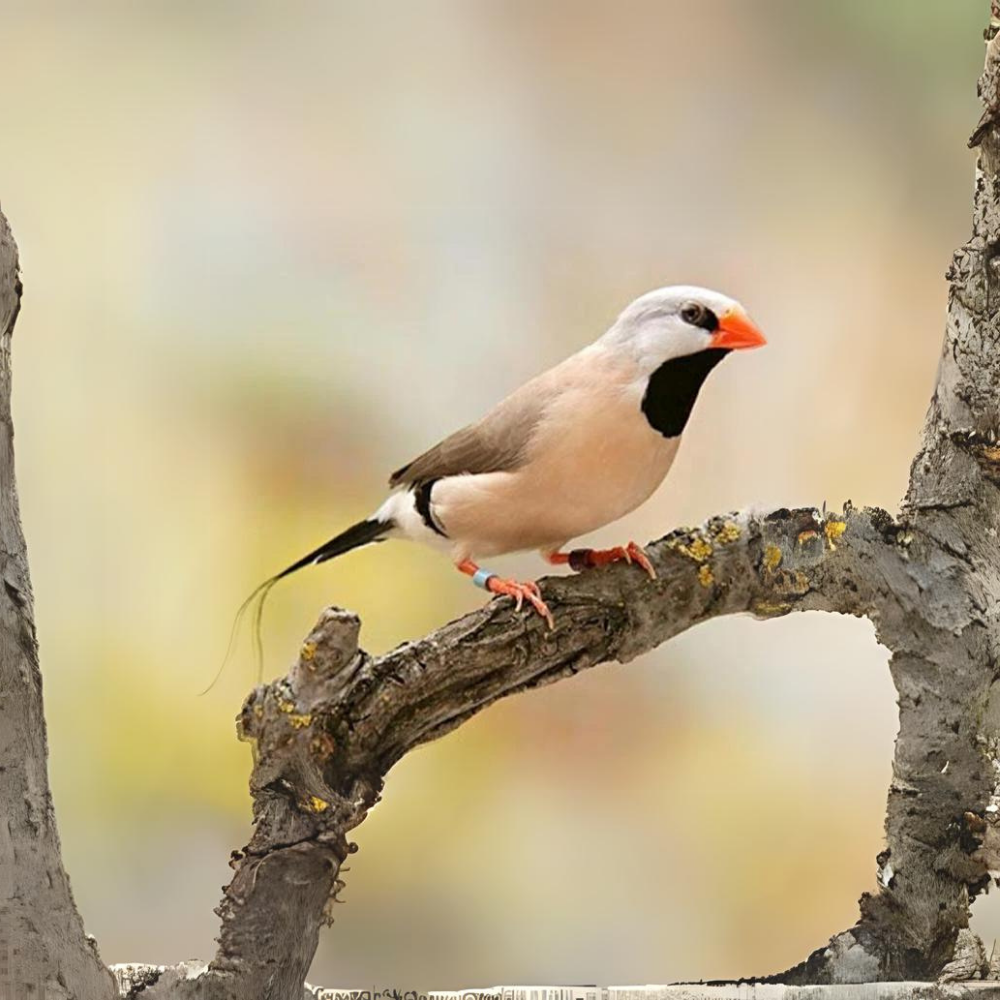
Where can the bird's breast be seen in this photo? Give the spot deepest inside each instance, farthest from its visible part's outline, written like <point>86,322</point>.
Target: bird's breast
<point>593,458</point>
<point>600,467</point>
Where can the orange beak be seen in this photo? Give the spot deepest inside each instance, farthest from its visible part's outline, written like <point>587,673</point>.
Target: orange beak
<point>737,332</point>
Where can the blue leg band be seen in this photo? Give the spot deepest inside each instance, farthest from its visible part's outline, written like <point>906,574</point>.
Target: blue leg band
<point>481,576</point>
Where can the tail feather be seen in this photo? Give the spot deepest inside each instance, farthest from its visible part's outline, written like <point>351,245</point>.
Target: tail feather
<point>362,533</point>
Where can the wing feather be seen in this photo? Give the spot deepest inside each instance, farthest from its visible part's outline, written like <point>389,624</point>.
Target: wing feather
<point>497,443</point>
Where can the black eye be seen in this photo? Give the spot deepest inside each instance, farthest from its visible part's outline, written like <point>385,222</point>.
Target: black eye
<point>697,315</point>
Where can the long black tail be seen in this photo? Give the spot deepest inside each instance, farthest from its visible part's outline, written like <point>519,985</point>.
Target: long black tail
<point>362,533</point>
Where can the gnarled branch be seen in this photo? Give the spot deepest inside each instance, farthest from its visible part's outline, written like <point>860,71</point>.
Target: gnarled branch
<point>326,734</point>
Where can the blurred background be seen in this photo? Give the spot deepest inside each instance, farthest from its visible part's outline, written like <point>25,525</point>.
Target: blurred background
<point>271,252</point>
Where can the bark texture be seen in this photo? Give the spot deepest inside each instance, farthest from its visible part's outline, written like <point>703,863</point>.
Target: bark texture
<point>325,735</point>
<point>41,934</point>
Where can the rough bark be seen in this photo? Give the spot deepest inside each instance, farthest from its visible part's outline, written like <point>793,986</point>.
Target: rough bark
<point>41,934</point>
<point>325,735</point>
<point>943,803</point>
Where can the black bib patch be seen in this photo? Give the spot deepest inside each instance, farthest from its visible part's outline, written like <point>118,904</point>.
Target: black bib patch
<point>673,388</point>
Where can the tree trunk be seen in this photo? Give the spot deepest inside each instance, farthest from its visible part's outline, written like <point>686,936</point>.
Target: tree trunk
<point>42,943</point>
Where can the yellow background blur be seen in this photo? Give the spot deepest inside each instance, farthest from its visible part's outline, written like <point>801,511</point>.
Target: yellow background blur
<point>271,251</point>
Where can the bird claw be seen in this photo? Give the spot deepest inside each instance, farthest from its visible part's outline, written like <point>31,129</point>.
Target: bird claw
<point>637,554</point>
<point>522,592</point>
<point>631,553</point>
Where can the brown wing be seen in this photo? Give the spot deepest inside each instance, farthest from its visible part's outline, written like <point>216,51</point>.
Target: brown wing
<point>497,443</point>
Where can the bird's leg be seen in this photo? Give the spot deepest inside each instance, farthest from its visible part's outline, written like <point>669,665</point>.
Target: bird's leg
<point>580,559</point>
<point>521,592</point>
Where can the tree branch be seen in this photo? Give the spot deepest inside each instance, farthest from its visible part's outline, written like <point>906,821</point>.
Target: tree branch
<point>38,919</point>
<point>943,802</point>
<point>326,735</point>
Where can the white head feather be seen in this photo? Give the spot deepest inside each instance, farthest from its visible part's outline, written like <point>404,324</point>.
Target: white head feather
<point>664,324</point>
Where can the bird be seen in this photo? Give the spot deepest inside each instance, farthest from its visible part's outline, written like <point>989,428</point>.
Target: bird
<point>572,450</point>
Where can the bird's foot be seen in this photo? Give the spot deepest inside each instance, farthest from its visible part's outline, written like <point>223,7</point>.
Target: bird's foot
<point>521,592</point>
<point>581,559</point>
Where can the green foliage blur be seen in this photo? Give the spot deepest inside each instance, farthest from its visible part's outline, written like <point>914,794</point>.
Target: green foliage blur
<point>271,252</point>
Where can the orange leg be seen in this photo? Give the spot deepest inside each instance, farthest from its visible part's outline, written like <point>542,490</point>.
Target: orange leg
<point>580,559</point>
<point>521,592</point>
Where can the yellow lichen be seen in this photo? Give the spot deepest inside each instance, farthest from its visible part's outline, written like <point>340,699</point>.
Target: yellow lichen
<point>833,531</point>
<point>286,706</point>
<point>316,804</point>
<point>308,651</point>
<point>705,577</point>
<point>772,558</point>
<point>794,583</point>
<point>699,550</point>
<point>729,532</point>
<point>765,608</point>
<point>300,721</point>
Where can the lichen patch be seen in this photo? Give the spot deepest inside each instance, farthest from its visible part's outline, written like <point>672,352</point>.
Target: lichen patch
<point>833,530</point>
<point>768,609</point>
<point>695,546</point>
<point>729,532</point>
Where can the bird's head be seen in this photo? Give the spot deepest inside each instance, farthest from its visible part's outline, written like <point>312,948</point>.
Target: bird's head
<point>680,320</point>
